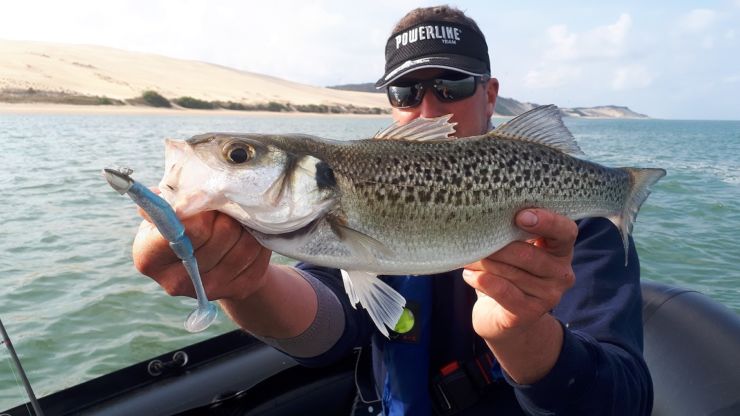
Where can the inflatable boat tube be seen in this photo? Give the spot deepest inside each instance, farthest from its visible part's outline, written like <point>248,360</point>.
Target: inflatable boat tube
<point>692,347</point>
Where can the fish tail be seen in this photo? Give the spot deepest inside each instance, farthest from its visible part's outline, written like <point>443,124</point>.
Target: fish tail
<point>641,179</point>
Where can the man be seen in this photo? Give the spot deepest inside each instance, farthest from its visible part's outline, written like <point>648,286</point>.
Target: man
<point>556,323</point>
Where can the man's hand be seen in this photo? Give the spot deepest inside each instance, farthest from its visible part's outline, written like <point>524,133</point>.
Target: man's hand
<point>517,288</point>
<point>268,300</point>
<point>232,263</point>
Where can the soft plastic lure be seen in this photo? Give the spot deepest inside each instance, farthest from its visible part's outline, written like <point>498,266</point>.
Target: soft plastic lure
<point>164,218</point>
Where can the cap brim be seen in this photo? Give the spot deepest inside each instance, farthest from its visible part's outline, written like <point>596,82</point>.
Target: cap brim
<point>456,63</point>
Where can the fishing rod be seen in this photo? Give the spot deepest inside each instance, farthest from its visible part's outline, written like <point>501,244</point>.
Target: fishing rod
<point>24,379</point>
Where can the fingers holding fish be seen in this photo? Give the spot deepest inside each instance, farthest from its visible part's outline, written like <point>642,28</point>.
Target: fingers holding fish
<point>546,288</point>
<point>224,250</point>
<point>523,256</point>
<point>201,228</point>
<point>501,308</point>
<point>154,258</point>
<point>240,272</point>
<point>558,233</point>
<point>522,282</point>
<point>151,251</point>
<point>521,294</point>
<point>215,240</point>
<point>519,261</point>
<point>542,269</point>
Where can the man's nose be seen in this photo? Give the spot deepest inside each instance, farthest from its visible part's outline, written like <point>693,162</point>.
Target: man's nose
<point>431,107</point>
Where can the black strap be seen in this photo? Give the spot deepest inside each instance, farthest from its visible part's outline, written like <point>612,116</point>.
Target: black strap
<point>364,377</point>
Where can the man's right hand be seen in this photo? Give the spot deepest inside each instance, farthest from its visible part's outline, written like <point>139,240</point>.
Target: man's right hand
<point>232,263</point>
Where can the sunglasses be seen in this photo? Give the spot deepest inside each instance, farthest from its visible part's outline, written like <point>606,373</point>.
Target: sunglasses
<point>449,88</point>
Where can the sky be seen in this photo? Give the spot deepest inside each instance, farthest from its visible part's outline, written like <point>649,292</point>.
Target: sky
<point>669,59</point>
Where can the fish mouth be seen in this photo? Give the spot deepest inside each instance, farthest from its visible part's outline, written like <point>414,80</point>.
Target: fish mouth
<point>118,179</point>
<point>187,205</point>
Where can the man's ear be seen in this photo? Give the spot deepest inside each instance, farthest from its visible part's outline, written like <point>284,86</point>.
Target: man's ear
<point>491,95</point>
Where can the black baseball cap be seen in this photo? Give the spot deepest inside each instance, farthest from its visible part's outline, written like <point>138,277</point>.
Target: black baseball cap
<point>435,44</point>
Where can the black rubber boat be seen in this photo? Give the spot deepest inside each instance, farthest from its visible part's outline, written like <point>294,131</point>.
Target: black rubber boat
<point>692,346</point>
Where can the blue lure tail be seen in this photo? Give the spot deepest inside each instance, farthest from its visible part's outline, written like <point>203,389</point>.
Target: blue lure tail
<point>164,218</point>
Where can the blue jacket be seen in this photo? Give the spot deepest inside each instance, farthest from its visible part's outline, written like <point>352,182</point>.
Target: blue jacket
<point>600,369</point>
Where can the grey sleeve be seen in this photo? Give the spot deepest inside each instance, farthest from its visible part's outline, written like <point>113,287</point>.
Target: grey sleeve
<point>324,331</point>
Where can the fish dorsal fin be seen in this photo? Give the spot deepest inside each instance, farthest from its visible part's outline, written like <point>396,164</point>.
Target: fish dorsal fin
<point>541,125</point>
<point>419,129</point>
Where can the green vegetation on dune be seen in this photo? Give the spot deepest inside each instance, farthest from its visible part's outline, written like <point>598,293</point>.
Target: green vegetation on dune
<point>155,99</point>
<point>151,98</point>
<point>190,102</point>
<point>282,107</point>
<point>32,96</point>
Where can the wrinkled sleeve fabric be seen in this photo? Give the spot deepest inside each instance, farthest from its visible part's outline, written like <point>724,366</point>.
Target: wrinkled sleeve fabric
<point>357,325</point>
<point>600,369</point>
<point>324,331</point>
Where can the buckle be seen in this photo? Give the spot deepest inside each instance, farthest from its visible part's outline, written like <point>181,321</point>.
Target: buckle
<point>479,370</point>
<point>459,386</point>
<point>453,390</point>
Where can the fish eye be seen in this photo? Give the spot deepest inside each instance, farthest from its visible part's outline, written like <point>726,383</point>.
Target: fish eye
<point>238,153</point>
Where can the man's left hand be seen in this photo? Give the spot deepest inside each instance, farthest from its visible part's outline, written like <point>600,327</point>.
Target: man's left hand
<point>519,285</point>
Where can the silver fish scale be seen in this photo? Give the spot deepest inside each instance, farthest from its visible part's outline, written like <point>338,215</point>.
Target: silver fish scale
<point>417,197</point>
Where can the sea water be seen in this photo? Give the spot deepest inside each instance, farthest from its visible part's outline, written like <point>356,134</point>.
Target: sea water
<point>76,308</point>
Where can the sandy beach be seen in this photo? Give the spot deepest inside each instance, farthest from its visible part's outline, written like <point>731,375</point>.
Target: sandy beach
<point>116,74</point>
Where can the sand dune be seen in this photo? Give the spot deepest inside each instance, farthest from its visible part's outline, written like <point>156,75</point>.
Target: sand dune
<point>113,73</point>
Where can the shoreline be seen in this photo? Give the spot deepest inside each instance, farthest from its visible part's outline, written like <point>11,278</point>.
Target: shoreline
<point>76,109</point>
<point>72,109</point>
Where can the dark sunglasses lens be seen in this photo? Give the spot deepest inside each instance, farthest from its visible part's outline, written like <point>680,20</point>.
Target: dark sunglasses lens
<point>453,90</point>
<point>403,96</point>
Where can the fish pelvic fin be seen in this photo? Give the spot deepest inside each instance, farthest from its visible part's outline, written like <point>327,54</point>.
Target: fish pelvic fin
<point>382,302</point>
<point>542,125</point>
<point>641,180</point>
<point>419,129</point>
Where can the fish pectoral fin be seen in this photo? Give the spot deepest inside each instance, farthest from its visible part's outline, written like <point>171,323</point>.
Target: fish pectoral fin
<point>382,302</point>
<point>542,125</point>
<point>419,129</point>
<point>361,245</point>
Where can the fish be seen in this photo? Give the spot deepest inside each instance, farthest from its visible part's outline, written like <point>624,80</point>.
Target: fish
<point>412,200</point>
<point>166,221</point>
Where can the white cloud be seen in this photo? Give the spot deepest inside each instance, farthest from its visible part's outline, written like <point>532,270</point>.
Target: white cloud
<point>631,77</point>
<point>569,55</point>
<point>697,20</point>
<point>730,33</point>
<point>563,43</point>
<point>601,42</point>
<point>551,77</point>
